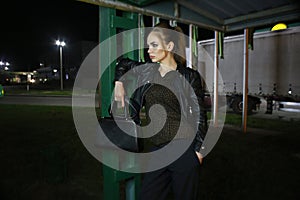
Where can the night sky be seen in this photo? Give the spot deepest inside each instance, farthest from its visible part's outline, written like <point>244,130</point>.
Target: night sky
<point>29,28</point>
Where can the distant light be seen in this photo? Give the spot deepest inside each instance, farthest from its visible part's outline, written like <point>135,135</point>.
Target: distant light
<point>54,70</point>
<point>34,71</point>
<point>60,43</point>
<point>4,63</point>
<point>290,92</point>
<point>280,26</point>
<point>6,68</point>
<point>41,64</point>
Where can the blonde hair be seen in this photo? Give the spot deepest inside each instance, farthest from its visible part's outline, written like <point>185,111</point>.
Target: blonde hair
<point>167,35</point>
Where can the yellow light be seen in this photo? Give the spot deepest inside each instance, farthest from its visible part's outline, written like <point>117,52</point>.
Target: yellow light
<point>280,26</point>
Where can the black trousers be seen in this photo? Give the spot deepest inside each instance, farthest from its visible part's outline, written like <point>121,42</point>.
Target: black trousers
<point>181,177</point>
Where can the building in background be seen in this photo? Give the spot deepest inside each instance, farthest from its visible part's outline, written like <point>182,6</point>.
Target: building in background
<point>49,69</point>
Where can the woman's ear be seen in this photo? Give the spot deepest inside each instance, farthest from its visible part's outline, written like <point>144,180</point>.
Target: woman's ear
<point>170,46</point>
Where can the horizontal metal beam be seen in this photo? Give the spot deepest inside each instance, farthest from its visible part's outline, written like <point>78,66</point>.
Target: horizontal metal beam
<point>140,2</point>
<point>168,7</point>
<point>150,12</point>
<point>262,22</point>
<point>191,14</point>
<point>200,11</point>
<point>262,14</point>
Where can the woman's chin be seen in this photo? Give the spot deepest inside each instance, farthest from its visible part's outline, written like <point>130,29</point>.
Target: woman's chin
<point>155,60</point>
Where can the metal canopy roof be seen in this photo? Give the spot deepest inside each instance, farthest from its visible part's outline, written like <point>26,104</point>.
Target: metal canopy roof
<point>222,15</point>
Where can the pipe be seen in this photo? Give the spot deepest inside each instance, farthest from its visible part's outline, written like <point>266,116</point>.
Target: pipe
<point>216,82</point>
<point>245,79</point>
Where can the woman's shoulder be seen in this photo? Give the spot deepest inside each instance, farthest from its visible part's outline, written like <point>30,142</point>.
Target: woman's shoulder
<point>133,63</point>
<point>188,71</point>
<point>127,62</point>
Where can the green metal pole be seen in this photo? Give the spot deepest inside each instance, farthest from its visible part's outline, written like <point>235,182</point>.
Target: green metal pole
<point>106,82</point>
<point>109,22</point>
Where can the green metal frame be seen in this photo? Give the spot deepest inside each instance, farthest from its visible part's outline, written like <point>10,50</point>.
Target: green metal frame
<point>110,23</point>
<point>1,91</point>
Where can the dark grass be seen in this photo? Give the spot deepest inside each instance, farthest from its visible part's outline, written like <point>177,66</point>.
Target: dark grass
<point>281,125</point>
<point>66,92</point>
<point>255,165</point>
<point>42,157</point>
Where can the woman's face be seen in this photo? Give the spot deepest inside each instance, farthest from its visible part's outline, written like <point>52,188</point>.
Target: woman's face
<point>157,48</point>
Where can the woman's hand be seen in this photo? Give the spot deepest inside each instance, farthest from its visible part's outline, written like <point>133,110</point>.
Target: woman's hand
<point>200,157</point>
<point>119,92</point>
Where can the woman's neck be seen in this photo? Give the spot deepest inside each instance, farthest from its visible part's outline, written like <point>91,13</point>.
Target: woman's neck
<point>166,66</point>
<point>169,64</point>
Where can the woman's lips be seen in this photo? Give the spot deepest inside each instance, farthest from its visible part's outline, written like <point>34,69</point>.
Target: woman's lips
<point>151,57</point>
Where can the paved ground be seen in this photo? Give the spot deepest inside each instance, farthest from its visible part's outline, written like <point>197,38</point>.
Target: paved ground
<point>44,100</point>
<point>67,101</point>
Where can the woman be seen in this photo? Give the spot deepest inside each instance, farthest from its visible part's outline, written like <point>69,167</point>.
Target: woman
<point>165,48</point>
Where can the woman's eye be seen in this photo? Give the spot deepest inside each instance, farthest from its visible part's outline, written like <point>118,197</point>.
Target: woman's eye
<point>152,45</point>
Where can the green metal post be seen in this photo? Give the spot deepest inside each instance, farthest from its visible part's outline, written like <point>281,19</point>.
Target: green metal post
<point>110,23</point>
<point>106,82</point>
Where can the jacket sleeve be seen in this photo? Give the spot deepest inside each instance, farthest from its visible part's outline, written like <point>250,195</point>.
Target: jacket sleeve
<point>200,112</point>
<point>123,66</point>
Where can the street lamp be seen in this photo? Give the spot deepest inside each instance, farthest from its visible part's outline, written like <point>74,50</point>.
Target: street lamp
<point>61,44</point>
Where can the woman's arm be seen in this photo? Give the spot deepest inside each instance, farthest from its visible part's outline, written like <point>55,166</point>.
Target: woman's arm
<point>123,66</point>
<point>196,84</point>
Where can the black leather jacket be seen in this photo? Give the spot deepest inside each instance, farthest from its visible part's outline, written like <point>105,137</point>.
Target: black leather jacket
<point>194,102</point>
